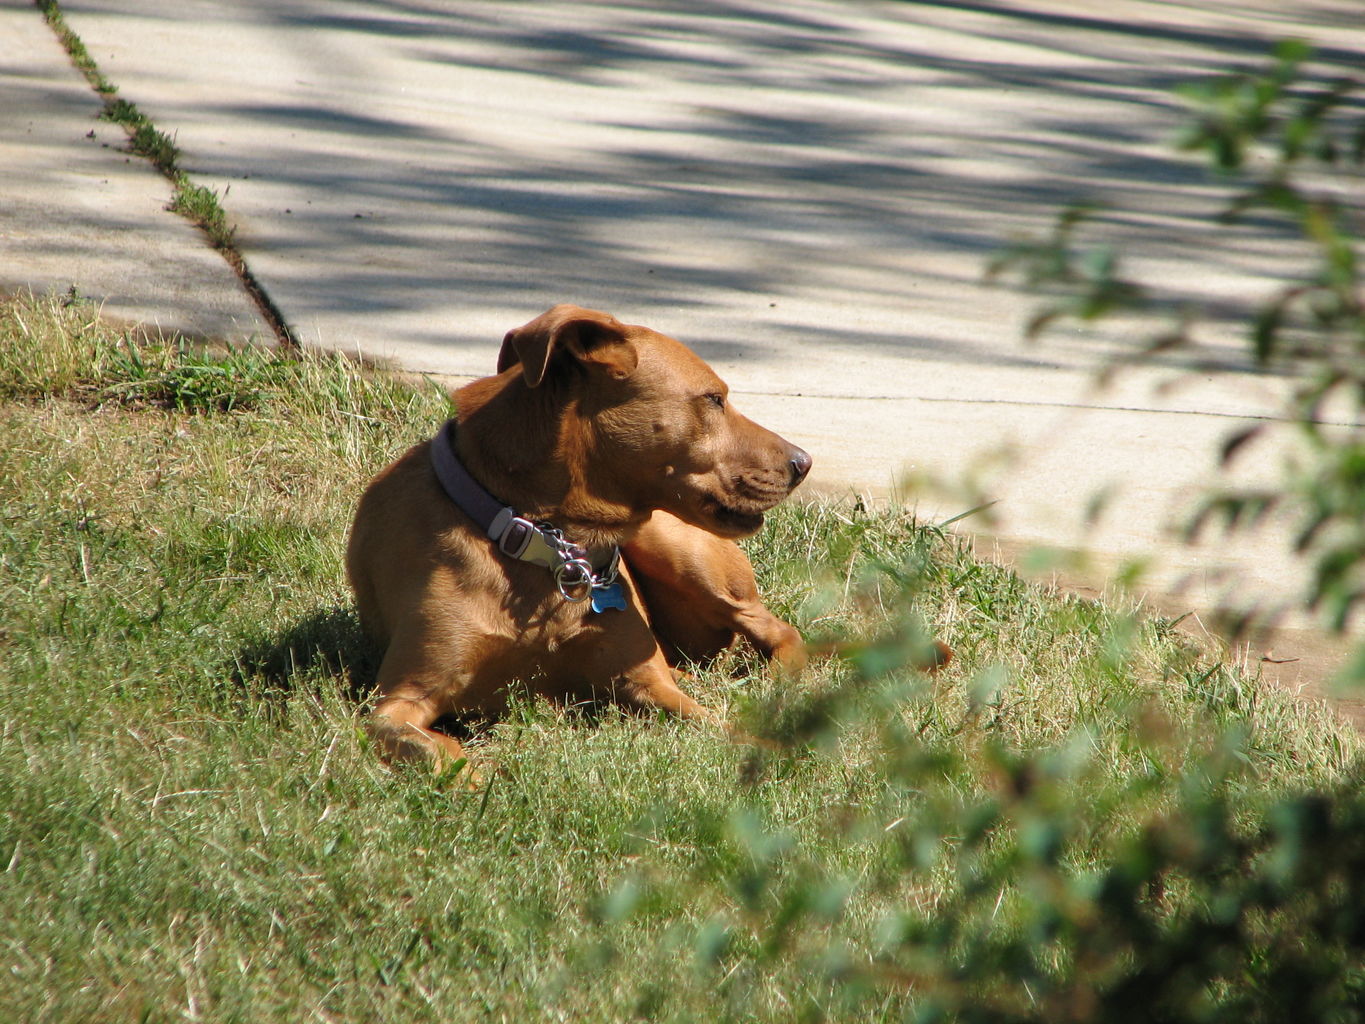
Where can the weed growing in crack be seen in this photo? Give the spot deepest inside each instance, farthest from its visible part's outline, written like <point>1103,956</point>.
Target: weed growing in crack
<point>144,138</point>
<point>200,205</point>
<point>80,56</point>
<point>196,203</point>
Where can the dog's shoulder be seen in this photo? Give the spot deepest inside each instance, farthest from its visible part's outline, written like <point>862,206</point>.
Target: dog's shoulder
<point>405,504</point>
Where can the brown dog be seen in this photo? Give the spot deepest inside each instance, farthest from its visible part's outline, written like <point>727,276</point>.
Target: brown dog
<point>612,435</point>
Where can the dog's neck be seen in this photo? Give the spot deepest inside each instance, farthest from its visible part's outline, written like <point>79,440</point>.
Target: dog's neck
<point>529,448</point>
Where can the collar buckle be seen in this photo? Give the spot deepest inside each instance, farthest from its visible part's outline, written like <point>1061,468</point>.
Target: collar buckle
<point>511,533</point>
<point>517,537</point>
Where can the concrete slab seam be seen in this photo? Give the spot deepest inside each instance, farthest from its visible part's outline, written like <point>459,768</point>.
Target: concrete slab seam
<point>199,205</point>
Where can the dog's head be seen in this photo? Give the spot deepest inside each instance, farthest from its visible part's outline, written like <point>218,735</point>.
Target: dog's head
<point>653,421</point>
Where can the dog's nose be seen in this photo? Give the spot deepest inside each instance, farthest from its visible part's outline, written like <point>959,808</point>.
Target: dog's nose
<point>800,465</point>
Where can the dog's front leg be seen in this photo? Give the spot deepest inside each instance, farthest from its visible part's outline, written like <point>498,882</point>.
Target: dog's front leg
<point>415,682</point>
<point>398,726</point>
<point>652,687</point>
<point>773,638</point>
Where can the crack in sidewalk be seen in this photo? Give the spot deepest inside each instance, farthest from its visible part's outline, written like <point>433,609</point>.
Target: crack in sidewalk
<point>195,203</point>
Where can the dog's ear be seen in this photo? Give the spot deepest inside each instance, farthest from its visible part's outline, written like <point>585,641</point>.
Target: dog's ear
<point>593,338</point>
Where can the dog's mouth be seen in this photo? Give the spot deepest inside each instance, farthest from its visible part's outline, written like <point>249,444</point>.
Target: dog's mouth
<point>732,520</point>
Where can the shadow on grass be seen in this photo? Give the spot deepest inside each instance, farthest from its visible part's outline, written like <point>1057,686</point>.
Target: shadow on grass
<point>327,643</point>
<point>327,648</point>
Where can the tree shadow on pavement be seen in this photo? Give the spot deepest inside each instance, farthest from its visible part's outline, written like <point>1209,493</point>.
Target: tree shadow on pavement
<point>721,160</point>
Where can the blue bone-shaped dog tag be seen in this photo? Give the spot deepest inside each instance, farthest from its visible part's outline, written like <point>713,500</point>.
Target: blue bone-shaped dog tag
<point>611,596</point>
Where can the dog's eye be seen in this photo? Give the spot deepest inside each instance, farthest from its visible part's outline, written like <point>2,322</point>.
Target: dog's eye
<point>716,399</point>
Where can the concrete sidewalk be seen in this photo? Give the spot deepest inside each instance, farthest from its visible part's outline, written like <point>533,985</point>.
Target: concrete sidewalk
<point>805,192</point>
<point>77,212</point>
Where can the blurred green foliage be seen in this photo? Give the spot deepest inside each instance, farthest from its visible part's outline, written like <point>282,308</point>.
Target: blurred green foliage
<point>1139,873</point>
<point>1287,147</point>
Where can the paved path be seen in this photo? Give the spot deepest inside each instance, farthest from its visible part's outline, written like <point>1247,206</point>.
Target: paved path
<point>77,211</point>
<point>806,192</point>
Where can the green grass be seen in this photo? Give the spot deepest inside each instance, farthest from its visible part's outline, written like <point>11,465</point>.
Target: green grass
<point>195,829</point>
<point>80,56</point>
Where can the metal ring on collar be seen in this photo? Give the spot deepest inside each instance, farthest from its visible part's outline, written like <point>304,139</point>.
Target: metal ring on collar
<point>573,573</point>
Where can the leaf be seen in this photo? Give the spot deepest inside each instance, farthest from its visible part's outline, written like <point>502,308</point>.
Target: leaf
<point>987,687</point>
<point>621,902</point>
<point>1040,320</point>
<point>1292,52</point>
<point>1350,680</point>
<point>1265,330</point>
<point>963,515</point>
<point>712,943</point>
<point>1237,441</point>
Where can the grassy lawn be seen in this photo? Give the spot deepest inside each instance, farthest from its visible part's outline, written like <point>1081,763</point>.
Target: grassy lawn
<point>195,830</point>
